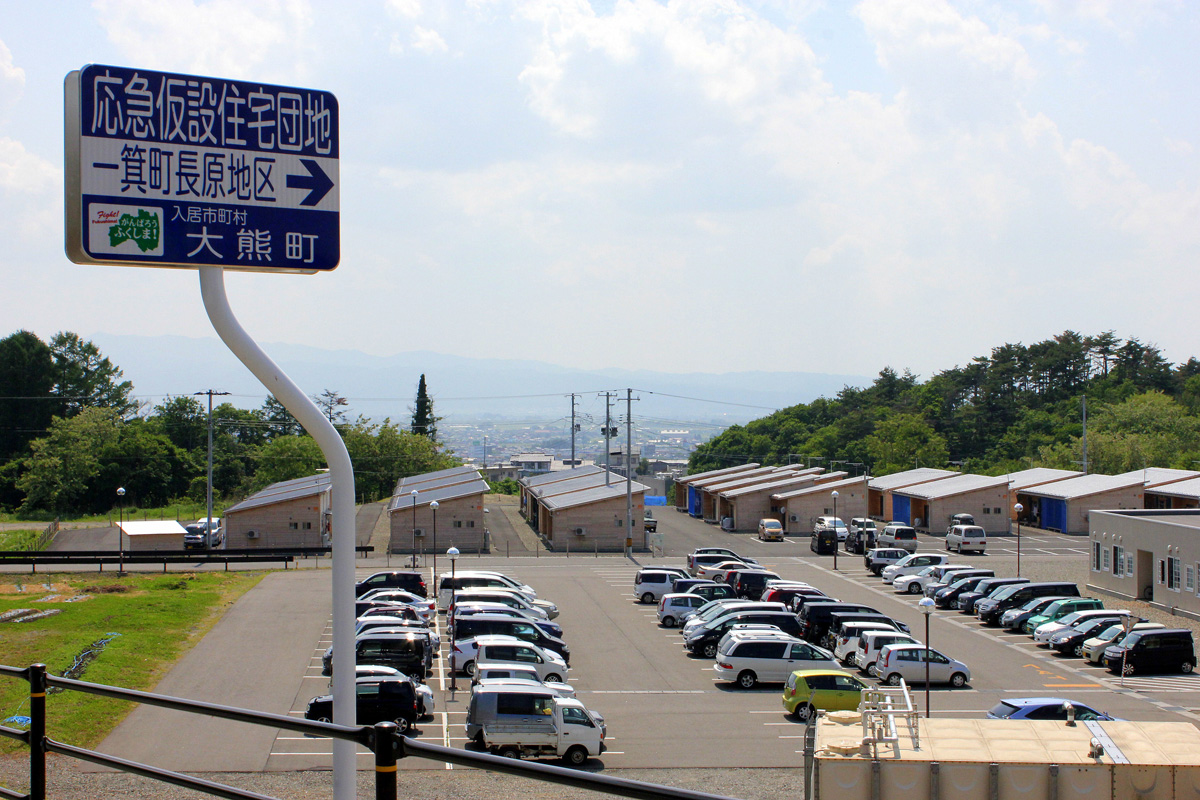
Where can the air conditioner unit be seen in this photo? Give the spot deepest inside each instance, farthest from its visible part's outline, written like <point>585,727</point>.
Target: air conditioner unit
<point>794,517</point>
<point>419,532</point>
<point>580,531</point>
<point>251,534</point>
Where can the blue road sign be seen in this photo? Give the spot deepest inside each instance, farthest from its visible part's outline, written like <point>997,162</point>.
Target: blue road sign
<point>167,170</point>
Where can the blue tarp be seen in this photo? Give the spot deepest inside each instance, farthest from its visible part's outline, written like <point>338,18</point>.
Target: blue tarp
<point>654,499</point>
<point>1052,514</point>
<point>902,509</point>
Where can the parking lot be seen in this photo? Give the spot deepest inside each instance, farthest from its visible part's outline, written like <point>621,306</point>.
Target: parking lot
<point>664,708</point>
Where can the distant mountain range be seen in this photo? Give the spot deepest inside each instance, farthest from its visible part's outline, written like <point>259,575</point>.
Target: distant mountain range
<point>464,389</point>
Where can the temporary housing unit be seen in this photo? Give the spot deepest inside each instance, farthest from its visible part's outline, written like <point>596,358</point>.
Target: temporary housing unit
<point>683,493</point>
<point>1028,478</point>
<point>879,493</point>
<point>530,486</point>
<point>142,536</point>
<point>415,526</point>
<point>295,513</point>
<point>1148,554</point>
<point>746,505</point>
<point>801,507</point>
<point>929,506</point>
<point>710,493</point>
<point>1064,505</point>
<point>594,519</point>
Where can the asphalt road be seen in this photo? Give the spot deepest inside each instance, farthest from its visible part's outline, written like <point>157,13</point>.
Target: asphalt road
<point>663,708</point>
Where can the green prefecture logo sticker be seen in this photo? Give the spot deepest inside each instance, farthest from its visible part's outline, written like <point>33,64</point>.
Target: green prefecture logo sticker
<point>126,230</point>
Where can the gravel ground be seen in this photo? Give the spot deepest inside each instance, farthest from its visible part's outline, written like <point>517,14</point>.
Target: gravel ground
<point>66,782</point>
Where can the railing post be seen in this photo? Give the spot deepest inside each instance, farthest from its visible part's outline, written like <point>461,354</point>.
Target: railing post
<point>37,732</point>
<point>385,745</point>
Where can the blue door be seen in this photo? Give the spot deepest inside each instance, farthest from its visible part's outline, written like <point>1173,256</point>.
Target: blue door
<point>1053,514</point>
<point>902,509</point>
<point>693,501</point>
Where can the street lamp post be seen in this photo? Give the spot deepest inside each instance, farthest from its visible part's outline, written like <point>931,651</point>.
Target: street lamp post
<point>926,606</point>
<point>434,507</point>
<point>413,493</point>
<point>1018,508</point>
<point>453,553</point>
<point>835,538</point>
<point>121,531</point>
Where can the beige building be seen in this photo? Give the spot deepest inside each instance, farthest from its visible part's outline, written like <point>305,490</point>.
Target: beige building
<point>536,486</point>
<point>710,491</point>
<point>801,507</point>
<point>1064,505</point>
<point>683,486</point>
<point>584,509</point>
<point>1018,482</point>
<point>929,506</point>
<point>295,513</point>
<point>1148,554</point>
<point>747,505</point>
<point>141,537</point>
<point>457,520</point>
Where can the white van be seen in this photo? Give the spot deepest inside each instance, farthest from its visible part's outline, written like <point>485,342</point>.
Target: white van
<point>466,654</point>
<point>651,584</point>
<point>966,537</point>
<point>482,579</point>
<point>672,607</point>
<point>752,656</point>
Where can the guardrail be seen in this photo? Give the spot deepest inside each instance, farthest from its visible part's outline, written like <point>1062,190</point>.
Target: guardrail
<point>382,739</point>
<point>241,555</point>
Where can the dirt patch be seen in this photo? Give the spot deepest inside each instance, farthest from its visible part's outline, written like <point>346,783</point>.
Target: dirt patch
<point>108,588</point>
<point>36,587</point>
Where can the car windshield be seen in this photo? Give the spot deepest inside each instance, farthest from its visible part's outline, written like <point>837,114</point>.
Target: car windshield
<point>837,523</point>
<point>1110,632</point>
<point>1131,640</point>
<point>1003,710</point>
<point>772,525</point>
<point>1072,618</point>
<point>1092,625</point>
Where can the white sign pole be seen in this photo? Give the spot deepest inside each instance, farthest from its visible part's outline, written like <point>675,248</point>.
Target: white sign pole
<point>341,473</point>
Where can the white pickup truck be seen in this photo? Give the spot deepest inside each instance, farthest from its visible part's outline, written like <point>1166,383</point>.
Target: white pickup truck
<point>569,731</point>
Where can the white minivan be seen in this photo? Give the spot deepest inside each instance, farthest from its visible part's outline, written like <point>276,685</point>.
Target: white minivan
<point>966,537</point>
<point>753,656</point>
<point>672,607</point>
<point>466,654</point>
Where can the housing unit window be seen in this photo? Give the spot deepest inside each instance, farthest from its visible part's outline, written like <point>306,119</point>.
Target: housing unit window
<point>1095,556</point>
<point>1129,564</point>
<point>308,526</point>
<point>293,526</point>
<point>620,523</point>
<point>1189,579</point>
<point>1173,567</point>
<point>470,523</point>
<point>457,523</point>
<point>1162,571</point>
<point>1106,556</point>
<point>1118,555</point>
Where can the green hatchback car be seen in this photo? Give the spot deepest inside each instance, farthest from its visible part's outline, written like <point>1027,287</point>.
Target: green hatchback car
<point>810,690</point>
<point>1059,609</point>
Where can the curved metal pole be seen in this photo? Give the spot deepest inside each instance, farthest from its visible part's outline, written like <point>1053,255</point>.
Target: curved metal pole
<point>341,473</point>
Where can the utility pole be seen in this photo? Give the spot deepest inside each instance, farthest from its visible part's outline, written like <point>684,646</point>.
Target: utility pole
<point>608,396</point>
<point>1085,469</point>
<point>629,471</point>
<point>574,428</point>
<point>208,526</point>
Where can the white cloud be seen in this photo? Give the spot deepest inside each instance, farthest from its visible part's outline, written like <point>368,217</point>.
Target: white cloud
<point>219,37</point>
<point>12,78</point>
<point>428,41</point>
<point>30,190</point>
<point>410,9</point>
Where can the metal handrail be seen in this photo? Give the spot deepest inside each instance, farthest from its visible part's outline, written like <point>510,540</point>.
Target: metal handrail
<point>383,739</point>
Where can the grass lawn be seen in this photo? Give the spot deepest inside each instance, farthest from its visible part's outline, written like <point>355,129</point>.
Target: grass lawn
<point>158,617</point>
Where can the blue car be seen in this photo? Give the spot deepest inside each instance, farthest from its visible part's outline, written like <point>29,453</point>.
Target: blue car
<point>1052,708</point>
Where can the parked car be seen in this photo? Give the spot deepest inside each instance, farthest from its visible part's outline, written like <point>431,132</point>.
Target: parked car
<point>985,588</point>
<point>509,597</point>
<point>947,596</point>
<point>408,580</point>
<point>834,524</point>
<point>876,559</point>
<point>1093,649</point>
<point>966,537</point>
<point>912,564</point>
<point>425,701</point>
<point>871,642</point>
<point>770,530</point>
<point>749,583</point>
<point>466,654</point>
<point>1014,618</point>
<point>705,640</point>
<point>649,522</point>
<point>651,584</point>
<point>449,583</point>
<point>908,661</point>
<point>703,555</point>
<point>838,621</point>
<point>1054,613</point>
<point>934,588</point>
<point>409,651</point>
<point>1051,708</point>
<point>751,658</point>
<point>846,643</point>
<point>517,672</point>
<point>674,605</point>
<point>685,584</point>
<point>861,536</point>
<point>815,617</point>
<point>465,610</point>
<point>1069,641</point>
<point>1164,650</point>
<point>903,537</point>
<point>497,625</point>
<point>784,594</point>
<point>717,571</point>
<point>425,608</point>
<point>201,536</point>
<point>823,541</point>
<point>714,591</point>
<point>809,691</point>
<point>715,608</point>
<point>377,699</point>
<point>915,583</point>
<point>991,608</point>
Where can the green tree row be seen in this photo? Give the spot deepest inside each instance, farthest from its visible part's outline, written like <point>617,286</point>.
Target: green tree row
<point>70,435</point>
<point>1019,406</point>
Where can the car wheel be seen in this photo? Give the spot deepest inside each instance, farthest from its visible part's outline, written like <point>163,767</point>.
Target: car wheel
<point>554,677</point>
<point>914,588</point>
<point>894,679</point>
<point>710,650</point>
<point>647,597</point>
<point>509,752</point>
<point>874,673</point>
<point>403,725</point>
<point>469,667</point>
<point>747,679</point>
<point>1128,669</point>
<point>576,756</point>
<point>324,719</point>
<point>958,680</point>
<point>804,712</point>
<point>1078,651</point>
<point>668,622</point>
<point>1186,667</point>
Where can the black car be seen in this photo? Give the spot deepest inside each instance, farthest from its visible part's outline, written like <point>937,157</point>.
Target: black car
<point>823,541</point>
<point>408,580</point>
<point>967,600</point>
<point>1069,641</point>
<point>705,643</point>
<point>815,617</point>
<point>948,596</point>
<point>363,606</point>
<point>713,591</point>
<point>380,699</point>
<point>1158,650</point>
<point>749,583</point>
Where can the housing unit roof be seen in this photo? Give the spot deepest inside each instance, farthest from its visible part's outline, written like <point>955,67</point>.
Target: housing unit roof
<point>699,476</point>
<point>1085,485</point>
<point>794,481</point>
<point>534,481</point>
<point>284,491</point>
<point>748,480</point>
<point>442,477</point>
<point>593,495</point>
<point>579,483</point>
<point>153,527</point>
<point>1158,476</point>
<point>909,477</point>
<point>401,502</point>
<point>1188,489</point>
<point>821,487</point>
<point>950,487</point>
<point>1039,475</point>
<point>718,480</point>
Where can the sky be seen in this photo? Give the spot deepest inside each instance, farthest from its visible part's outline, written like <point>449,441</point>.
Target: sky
<point>698,186</point>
